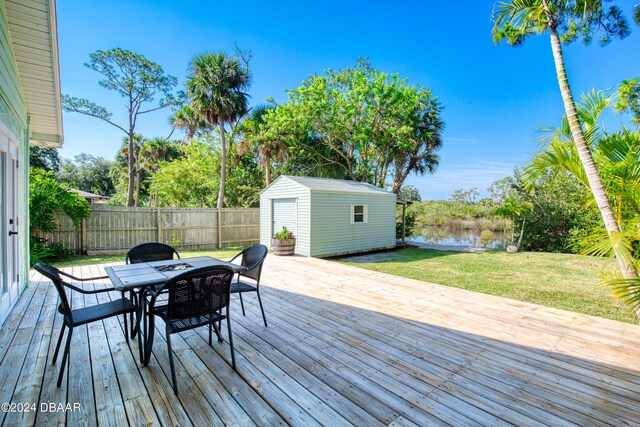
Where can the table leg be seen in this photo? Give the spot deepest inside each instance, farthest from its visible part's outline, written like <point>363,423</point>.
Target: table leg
<point>140,314</point>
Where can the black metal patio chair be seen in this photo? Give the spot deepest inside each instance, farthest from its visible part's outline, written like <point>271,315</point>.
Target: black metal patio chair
<point>252,257</point>
<point>195,298</point>
<point>148,252</point>
<point>81,316</point>
<point>151,251</point>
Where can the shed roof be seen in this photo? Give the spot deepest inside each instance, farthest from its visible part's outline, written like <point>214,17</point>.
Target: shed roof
<point>336,185</point>
<point>34,36</point>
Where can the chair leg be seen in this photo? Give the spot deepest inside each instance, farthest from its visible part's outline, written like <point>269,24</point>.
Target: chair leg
<point>126,327</point>
<point>216,328</point>
<point>264,318</point>
<point>55,354</point>
<point>210,332</point>
<point>65,354</point>
<point>171,364</point>
<point>241,303</point>
<point>233,356</point>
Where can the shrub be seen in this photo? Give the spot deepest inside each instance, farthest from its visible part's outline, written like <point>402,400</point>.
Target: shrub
<point>409,223</point>
<point>46,196</point>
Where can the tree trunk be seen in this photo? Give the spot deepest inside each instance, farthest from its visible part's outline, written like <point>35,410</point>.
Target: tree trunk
<point>137,202</point>
<point>593,177</point>
<point>223,166</point>
<point>132,172</point>
<point>267,169</point>
<point>521,233</point>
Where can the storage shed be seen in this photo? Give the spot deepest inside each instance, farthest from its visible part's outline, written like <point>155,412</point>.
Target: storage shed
<point>328,216</point>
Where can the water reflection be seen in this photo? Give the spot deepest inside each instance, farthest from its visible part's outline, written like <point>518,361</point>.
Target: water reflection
<point>450,236</point>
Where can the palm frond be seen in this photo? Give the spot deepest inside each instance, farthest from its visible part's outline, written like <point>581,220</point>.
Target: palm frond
<point>627,290</point>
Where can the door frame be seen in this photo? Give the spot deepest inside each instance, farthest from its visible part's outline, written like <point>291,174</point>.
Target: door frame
<point>10,262</point>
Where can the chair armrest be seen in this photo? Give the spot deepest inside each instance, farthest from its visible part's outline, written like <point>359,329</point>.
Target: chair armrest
<point>232,259</point>
<point>255,264</point>
<point>85,291</point>
<point>80,279</point>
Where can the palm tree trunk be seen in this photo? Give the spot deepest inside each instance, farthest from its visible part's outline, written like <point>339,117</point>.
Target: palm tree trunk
<point>593,177</point>
<point>521,233</point>
<point>267,169</point>
<point>513,230</point>
<point>223,166</point>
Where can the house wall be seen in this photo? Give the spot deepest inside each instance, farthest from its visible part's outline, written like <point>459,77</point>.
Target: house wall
<point>13,118</point>
<point>331,229</point>
<point>284,188</point>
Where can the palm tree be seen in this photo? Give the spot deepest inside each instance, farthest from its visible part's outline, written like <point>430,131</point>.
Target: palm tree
<point>512,210</point>
<point>187,119</point>
<point>566,20</point>
<point>257,137</point>
<point>617,157</point>
<point>217,86</point>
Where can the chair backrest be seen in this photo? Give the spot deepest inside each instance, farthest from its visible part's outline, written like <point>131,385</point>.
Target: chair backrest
<point>53,274</point>
<point>198,292</point>
<point>253,257</point>
<point>152,251</point>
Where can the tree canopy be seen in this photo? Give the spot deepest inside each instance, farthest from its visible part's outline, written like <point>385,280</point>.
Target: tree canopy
<point>364,124</point>
<point>134,78</point>
<point>216,87</point>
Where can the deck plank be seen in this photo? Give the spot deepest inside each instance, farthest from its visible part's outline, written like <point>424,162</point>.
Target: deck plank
<point>80,378</point>
<point>344,346</point>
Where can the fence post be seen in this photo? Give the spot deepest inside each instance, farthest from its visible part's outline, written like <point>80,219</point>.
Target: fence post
<point>159,225</point>
<point>219,228</point>
<point>83,237</point>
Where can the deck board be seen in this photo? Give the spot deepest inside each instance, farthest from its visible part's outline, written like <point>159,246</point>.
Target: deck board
<point>344,346</point>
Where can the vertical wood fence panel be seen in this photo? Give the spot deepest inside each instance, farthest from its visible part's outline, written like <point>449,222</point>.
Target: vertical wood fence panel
<point>112,229</point>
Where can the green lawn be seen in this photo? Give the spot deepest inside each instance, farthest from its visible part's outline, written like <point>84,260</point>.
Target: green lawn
<point>568,282</point>
<point>101,259</point>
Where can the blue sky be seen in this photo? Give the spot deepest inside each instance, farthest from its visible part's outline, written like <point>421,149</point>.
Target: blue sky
<point>494,96</point>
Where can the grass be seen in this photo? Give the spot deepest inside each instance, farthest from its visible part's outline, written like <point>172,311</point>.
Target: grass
<point>568,282</point>
<point>103,259</point>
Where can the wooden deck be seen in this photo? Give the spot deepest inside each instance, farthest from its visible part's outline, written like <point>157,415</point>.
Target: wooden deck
<point>344,346</point>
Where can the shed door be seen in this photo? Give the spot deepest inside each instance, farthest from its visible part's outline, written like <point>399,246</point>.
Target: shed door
<point>285,214</point>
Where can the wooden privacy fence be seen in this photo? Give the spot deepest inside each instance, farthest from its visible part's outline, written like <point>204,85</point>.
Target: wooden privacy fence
<point>111,229</point>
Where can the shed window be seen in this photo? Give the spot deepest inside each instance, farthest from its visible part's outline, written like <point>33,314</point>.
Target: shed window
<point>358,214</point>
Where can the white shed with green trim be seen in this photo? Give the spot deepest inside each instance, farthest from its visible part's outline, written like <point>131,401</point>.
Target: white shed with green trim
<point>328,216</point>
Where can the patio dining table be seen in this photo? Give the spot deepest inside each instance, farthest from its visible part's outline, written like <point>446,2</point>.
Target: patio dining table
<point>142,276</point>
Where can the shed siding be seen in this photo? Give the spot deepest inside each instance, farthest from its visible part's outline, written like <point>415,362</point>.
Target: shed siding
<point>331,226</point>
<point>285,188</point>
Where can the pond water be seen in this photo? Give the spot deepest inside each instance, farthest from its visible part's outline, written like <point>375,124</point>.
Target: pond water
<point>449,236</point>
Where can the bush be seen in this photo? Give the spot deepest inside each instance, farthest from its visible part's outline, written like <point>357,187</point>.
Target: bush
<point>409,223</point>
<point>456,215</point>
<point>559,215</point>
<point>46,196</point>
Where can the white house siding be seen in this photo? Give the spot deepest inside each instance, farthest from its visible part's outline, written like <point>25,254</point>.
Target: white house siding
<point>284,188</point>
<point>331,226</point>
